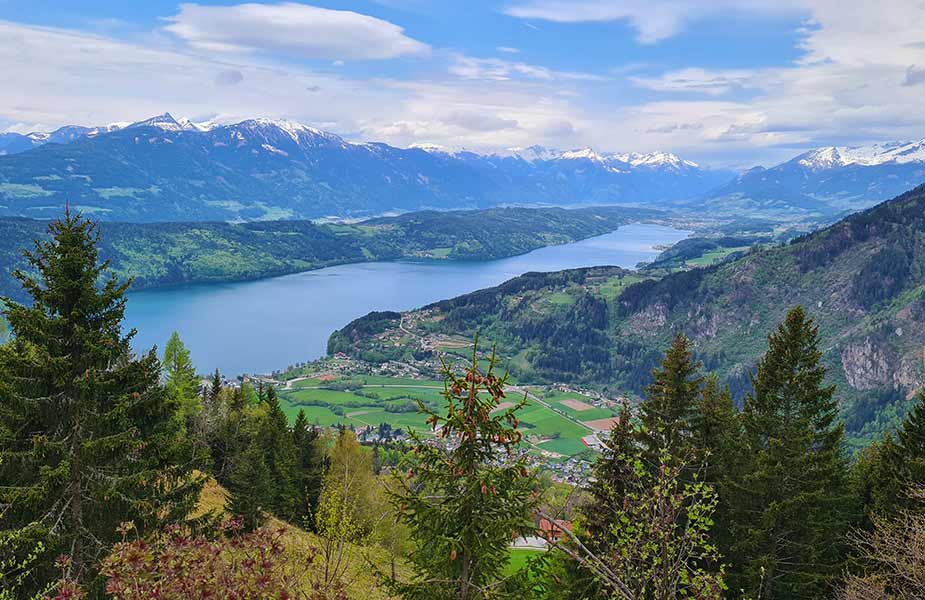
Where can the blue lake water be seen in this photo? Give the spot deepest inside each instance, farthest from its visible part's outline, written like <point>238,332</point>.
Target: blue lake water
<point>259,326</point>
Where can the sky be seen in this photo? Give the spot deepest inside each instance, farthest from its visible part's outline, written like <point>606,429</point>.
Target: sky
<point>727,83</point>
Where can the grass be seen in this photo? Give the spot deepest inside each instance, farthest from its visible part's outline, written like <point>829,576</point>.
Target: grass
<point>361,411</point>
<point>566,446</point>
<point>299,542</point>
<point>714,256</point>
<point>519,558</point>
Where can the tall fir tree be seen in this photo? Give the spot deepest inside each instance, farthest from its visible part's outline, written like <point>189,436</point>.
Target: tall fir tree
<point>668,411</point>
<point>609,481</point>
<point>310,467</point>
<point>250,487</point>
<point>91,439</point>
<point>717,438</point>
<point>280,454</point>
<point>463,505</point>
<point>215,387</point>
<point>886,470</point>
<point>181,382</point>
<point>792,514</point>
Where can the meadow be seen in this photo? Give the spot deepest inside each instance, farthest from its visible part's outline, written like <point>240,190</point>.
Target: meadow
<point>362,400</point>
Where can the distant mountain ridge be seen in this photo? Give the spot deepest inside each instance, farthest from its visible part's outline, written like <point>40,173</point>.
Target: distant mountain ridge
<point>168,169</point>
<point>165,169</point>
<point>832,178</point>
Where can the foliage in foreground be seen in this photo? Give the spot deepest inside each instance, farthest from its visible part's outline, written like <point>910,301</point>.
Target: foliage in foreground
<point>894,551</point>
<point>467,495</point>
<point>175,565</point>
<point>88,436</point>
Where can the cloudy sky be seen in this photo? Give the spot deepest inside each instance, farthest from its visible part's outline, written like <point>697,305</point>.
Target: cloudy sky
<point>725,82</point>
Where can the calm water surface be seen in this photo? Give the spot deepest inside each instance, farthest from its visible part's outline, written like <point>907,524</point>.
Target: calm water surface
<point>259,326</point>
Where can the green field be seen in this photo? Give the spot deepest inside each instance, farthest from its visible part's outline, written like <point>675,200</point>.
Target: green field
<point>519,558</point>
<point>555,399</point>
<point>365,405</point>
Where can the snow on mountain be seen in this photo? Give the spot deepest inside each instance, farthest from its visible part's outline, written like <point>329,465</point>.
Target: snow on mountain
<point>871,155</point>
<point>655,159</point>
<point>534,153</point>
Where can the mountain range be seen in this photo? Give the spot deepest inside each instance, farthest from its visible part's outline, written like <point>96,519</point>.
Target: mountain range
<point>834,178</point>
<point>163,169</point>
<point>862,280</point>
<point>167,169</point>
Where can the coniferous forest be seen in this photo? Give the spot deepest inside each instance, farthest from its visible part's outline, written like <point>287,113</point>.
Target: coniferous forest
<point>126,475</point>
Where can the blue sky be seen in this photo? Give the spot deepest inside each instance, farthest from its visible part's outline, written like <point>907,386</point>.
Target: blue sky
<point>724,82</point>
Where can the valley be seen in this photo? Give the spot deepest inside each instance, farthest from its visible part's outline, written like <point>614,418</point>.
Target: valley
<point>264,325</point>
<point>861,279</point>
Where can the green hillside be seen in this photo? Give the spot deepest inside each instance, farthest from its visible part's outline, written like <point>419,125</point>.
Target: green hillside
<point>160,254</point>
<point>862,280</point>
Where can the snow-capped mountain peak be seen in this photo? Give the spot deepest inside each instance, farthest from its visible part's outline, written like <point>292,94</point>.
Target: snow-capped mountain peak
<point>874,154</point>
<point>167,123</point>
<point>296,131</point>
<point>655,159</point>
<point>535,152</point>
<point>582,153</point>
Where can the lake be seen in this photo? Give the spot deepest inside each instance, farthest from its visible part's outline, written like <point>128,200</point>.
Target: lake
<point>259,326</point>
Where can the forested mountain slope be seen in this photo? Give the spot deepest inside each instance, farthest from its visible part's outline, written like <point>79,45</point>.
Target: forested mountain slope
<point>158,254</point>
<point>862,280</point>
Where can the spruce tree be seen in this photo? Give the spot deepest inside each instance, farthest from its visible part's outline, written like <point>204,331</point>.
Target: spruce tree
<point>791,517</point>
<point>465,498</point>
<point>889,468</point>
<point>90,438</point>
<point>250,487</point>
<point>719,447</point>
<point>670,405</point>
<point>310,467</point>
<point>280,454</point>
<point>215,388</point>
<point>181,381</point>
<point>609,481</point>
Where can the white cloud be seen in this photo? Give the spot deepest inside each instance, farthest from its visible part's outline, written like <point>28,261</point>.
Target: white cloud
<point>702,81</point>
<point>859,80</point>
<point>508,49</point>
<point>294,29</point>
<point>105,80</point>
<point>654,20</point>
<point>497,69</point>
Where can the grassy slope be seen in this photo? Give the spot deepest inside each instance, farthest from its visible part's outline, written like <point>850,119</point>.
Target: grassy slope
<point>158,254</point>
<point>862,279</point>
<point>298,541</point>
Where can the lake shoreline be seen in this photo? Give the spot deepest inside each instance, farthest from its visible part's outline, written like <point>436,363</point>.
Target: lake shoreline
<point>410,260</point>
<point>263,325</point>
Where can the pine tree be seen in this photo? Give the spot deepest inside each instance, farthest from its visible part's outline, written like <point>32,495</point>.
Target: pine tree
<point>670,406</point>
<point>90,438</point>
<point>250,487</point>
<point>310,467</point>
<point>462,504</point>
<point>791,517</point>
<point>717,440</point>
<point>609,481</point>
<point>181,381</point>
<point>280,454</point>
<point>887,469</point>
<point>215,388</point>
